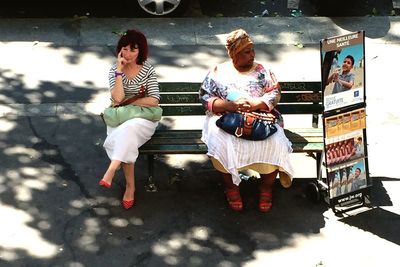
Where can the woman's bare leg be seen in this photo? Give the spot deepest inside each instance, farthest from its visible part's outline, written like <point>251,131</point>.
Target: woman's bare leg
<point>228,183</point>
<point>266,184</point>
<point>110,173</point>
<point>128,169</point>
<point>232,192</point>
<point>267,181</point>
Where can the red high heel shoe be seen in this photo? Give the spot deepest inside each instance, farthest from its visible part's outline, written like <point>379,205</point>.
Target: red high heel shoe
<point>127,204</point>
<point>104,183</point>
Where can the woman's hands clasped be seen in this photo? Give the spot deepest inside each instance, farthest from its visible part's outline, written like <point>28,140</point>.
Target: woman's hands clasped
<point>239,105</point>
<point>245,105</point>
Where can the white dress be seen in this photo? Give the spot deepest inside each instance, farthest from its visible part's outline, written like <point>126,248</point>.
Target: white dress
<point>123,142</point>
<point>234,153</point>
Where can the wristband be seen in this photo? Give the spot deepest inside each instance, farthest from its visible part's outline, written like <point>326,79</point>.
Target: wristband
<point>116,74</point>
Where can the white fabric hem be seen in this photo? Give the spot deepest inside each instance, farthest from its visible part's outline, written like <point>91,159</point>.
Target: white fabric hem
<point>234,153</point>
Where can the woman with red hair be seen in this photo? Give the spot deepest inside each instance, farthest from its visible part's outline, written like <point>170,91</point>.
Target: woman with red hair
<point>131,75</point>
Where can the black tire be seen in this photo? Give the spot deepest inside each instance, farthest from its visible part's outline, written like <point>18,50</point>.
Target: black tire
<point>313,192</point>
<point>168,9</point>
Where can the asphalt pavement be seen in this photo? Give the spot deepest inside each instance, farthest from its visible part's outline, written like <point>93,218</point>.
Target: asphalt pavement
<point>53,82</point>
<point>205,8</point>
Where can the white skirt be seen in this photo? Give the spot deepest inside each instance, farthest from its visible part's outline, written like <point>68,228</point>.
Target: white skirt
<point>234,153</point>
<point>123,142</point>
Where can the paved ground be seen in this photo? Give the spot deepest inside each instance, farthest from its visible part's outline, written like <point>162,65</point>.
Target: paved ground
<point>53,82</point>
<point>205,8</point>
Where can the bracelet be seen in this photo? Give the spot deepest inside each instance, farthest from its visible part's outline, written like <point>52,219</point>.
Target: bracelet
<point>116,74</point>
<point>210,103</point>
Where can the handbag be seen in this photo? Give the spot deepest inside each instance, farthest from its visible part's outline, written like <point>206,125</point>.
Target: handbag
<point>114,116</point>
<point>118,114</point>
<point>248,125</point>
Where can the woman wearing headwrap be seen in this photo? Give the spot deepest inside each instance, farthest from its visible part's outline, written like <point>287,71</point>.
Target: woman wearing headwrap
<point>243,85</point>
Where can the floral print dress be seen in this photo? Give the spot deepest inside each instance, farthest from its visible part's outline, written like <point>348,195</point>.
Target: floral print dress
<point>237,153</point>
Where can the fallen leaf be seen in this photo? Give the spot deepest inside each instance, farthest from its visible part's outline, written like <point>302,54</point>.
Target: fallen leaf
<point>299,45</point>
<point>296,13</point>
<point>118,33</point>
<point>265,13</point>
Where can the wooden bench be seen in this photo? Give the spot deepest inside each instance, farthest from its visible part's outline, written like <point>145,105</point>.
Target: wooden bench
<point>182,99</point>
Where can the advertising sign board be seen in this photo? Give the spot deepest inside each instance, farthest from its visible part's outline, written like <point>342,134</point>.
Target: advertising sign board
<point>344,118</point>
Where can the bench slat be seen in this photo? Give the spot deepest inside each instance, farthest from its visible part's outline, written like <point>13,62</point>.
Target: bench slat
<point>196,133</point>
<point>181,99</point>
<point>289,97</point>
<point>202,148</point>
<point>174,141</point>
<point>188,141</point>
<point>183,110</point>
<point>300,86</point>
<point>195,86</point>
<point>179,87</point>
<point>299,108</point>
<point>171,98</point>
<point>307,147</point>
<point>197,109</point>
<point>174,149</point>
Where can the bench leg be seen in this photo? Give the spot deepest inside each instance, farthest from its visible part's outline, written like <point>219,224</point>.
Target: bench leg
<point>150,187</point>
<point>319,164</point>
<point>315,118</point>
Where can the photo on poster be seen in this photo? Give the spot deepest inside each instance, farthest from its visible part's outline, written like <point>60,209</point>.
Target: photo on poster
<point>347,178</point>
<point>345,123</point>
<point>343,70</point>
<point>344,148</point>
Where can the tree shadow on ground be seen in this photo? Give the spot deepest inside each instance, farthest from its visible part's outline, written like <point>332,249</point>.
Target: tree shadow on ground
<point>55,212</point>
<point>53,179</point>
<point>377,220</point>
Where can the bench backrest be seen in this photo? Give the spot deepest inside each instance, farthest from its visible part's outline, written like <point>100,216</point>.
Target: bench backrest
<point>182,98</point>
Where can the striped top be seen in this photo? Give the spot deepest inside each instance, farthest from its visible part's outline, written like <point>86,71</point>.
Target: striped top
<point>146,77</point>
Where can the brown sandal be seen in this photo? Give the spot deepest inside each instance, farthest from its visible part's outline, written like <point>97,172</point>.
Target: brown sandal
<point>265,202</point>
<point>234,199</point>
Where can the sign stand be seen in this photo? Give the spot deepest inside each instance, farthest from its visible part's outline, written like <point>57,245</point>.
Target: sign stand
<point>344,121</point>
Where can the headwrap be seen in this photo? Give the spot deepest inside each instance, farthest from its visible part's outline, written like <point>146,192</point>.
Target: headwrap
<point>236,41</point>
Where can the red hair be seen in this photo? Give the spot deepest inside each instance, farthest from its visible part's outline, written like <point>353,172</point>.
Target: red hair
<point>135,39</point>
